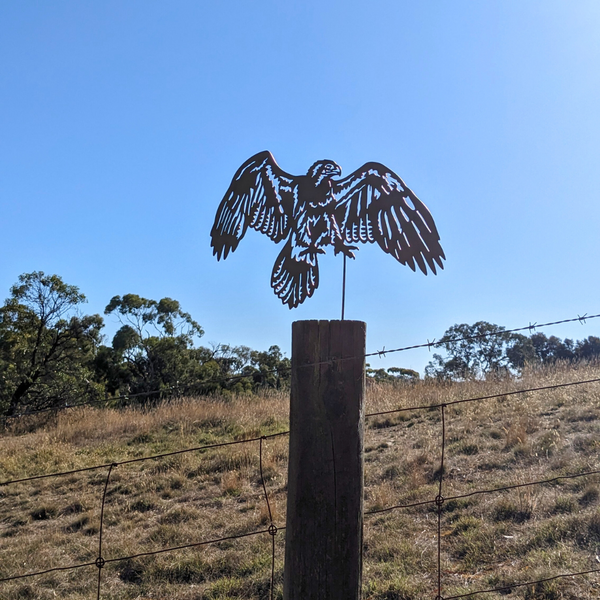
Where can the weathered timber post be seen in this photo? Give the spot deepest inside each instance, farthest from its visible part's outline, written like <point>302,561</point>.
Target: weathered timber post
<point>323,549</point>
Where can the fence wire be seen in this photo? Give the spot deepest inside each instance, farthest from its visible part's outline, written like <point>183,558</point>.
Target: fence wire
<point>100,562</point>
<point>532,327</point>
<point>224,379</point>
<point>272,529</point>
<point>439,499</point>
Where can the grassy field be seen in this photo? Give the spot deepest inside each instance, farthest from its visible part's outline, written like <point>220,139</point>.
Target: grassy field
<point>487,540</point>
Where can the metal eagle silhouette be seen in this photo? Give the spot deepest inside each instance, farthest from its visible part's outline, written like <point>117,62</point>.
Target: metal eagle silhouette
<point>314,210</point>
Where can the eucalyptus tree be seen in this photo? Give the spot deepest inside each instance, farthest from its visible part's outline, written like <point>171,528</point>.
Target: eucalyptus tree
<point>47,347</point>
<point>472,351</point>
<point>154,349</point>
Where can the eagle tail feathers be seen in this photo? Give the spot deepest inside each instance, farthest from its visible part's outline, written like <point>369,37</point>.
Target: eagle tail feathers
<point>294,279</point>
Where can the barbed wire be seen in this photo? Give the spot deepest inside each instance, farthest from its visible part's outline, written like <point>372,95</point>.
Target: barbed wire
<point>531,328</point>
<point>433,343</point>
<point>279,371</point>
<point>112,399</point>
<point>223,379</point>
<point>96,401</point>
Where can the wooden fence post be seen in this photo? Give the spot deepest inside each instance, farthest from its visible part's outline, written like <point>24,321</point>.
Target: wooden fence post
<point>323,548</point>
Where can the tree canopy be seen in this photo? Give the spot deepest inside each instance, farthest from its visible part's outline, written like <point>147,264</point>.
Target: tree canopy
<point>52,355</point>
<point>472,351</point>
<point>484,349</point>
<point>46,348</point>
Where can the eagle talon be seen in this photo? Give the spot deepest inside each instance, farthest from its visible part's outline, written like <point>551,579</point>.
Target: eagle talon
<point>345,250</point>
<point>311,250</point>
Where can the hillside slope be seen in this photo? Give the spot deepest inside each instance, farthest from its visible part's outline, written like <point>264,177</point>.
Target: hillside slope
<point>487,540</point>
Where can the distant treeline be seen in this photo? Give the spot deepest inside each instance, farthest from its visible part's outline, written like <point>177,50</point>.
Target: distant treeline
<point>484,349</point>
<point>53,355</point>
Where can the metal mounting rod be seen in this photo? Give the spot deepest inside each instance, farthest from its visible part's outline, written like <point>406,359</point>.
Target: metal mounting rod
<point>344,288</point>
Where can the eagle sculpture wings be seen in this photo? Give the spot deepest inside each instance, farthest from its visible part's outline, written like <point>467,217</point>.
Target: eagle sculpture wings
<point>315,210</point>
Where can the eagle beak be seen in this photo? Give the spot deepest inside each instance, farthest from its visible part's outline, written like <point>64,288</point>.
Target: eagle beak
<point>338,170</point>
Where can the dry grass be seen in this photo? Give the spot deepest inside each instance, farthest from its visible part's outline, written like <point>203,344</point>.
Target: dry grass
<point>487,540</point>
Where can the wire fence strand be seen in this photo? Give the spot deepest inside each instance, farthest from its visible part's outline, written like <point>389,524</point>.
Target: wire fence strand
<point>438,501</point>
<point>554,386</point>
<point>142,458</point>
<point>532,327</point>
<point>508,588</point>
<point>100,562</point>
<point>140,554</point>
<point>254,439</point>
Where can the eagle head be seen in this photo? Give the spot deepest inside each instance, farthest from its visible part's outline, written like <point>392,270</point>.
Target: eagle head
<point>324,169</point>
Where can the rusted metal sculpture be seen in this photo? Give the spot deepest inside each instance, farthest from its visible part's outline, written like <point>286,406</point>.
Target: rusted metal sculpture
<point>314,210</point>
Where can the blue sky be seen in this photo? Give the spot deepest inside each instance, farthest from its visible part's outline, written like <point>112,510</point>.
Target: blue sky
<point>122,124</point>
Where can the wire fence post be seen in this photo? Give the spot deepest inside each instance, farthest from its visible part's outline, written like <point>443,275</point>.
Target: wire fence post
<point>323,551</point>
